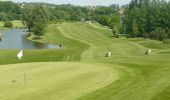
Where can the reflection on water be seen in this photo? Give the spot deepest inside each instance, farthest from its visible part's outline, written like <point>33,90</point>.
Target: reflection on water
<point>17,39</point>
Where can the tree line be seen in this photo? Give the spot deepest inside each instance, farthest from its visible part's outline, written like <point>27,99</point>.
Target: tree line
<point>104,15</point>
<point>10,11</point>
<point>148,19</point>
<point>36,16</point>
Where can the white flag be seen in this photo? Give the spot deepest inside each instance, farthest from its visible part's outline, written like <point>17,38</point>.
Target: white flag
<point>20,55</point>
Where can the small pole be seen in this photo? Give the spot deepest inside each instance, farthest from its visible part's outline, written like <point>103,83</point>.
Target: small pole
<point>124,29</point>
<point>25,79</point>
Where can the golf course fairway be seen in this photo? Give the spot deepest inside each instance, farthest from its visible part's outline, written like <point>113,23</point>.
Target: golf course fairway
<point>80,70</point>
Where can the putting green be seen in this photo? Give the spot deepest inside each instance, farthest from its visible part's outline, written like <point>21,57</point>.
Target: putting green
<point>53,81</point>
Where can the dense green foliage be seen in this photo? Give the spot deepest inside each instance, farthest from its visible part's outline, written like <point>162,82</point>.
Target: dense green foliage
<point>67,12</point>
<point>115,31</point>
<point>36,19</point>
<point>8,24</point>
<point>27,17</point>
<point>104,15</point>
<point>10,11</point>
<point>167,42</point>
<point>108,16</point>
<point>148,18</point>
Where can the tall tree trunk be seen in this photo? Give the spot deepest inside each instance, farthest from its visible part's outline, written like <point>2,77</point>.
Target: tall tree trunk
<point>29,30</point>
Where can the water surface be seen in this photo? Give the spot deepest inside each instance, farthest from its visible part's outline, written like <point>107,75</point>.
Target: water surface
<point>17,39</point>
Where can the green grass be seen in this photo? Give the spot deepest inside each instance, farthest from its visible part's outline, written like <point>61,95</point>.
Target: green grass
<point>71,52</point>
<point>164,52</point>
<point>16,24</point>
<point>61,81</point>
<point>128,75</point>
<point>2,26</point>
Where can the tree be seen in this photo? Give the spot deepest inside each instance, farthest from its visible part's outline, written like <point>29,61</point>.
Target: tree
<point>108,16</point>
<point>158,34</point>
<point>162,35</point>
<point>8,24</point>
<point>36,19</point>
<point>115,31</point>
<point>168,32</point>
<point>3,16</point>
<point>27,17</point>
<point>9,11</point>
<point>39,29</point>
<point>167,42</point>
<point>134,28</point>
<point>40,20</point>
<point>61,14</point>
<point>144,17</point>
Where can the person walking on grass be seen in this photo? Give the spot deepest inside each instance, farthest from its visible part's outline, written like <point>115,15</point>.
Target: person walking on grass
<point>60,45</point>
<point>108,54</point>
<point>148,52</point>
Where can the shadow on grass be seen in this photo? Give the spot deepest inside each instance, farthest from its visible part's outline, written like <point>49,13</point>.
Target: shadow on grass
<point>34,37</point>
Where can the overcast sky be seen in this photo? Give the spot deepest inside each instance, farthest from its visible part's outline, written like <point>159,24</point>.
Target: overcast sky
<point>79,2</point>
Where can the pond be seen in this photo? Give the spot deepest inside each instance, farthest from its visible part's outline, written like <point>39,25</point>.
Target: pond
<point>17,39</point>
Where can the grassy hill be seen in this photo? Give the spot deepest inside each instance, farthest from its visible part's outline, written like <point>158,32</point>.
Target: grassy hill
<point>128,75</point>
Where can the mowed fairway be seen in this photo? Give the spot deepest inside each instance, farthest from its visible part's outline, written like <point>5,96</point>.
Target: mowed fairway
<point>128,75</point>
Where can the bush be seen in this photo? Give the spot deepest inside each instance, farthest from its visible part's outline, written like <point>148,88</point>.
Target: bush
<point>117,36</point>
<point>127,36</point>
<point>168,33</point>
<point>115,32</point>
<point>145,35</point>
<point>39,29</point>
<point>167,42</point>
<point>162,35</point>
<point>8,24</point>
<point>158,34</point>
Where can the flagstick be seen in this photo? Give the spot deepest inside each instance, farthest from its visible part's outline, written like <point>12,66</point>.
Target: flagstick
<point>20,55</point>
<point>25,79</point>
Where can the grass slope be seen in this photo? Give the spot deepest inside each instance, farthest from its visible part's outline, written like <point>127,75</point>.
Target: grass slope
<point>144,72</point>
<point>139,77</point>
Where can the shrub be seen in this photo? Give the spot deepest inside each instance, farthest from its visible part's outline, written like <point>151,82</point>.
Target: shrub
<point>127,36</point>
<point>115,32</point>
<point>145,35</point>
<point>158,34</point>
<point>8,24</point>
<point>167,42</point>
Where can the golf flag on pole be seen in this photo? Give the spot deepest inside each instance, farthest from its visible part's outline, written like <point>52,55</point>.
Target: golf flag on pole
<point>20,55</point>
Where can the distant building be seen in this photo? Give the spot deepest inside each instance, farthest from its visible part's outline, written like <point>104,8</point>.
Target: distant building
<point>121,11</point>
<point>22,5</point>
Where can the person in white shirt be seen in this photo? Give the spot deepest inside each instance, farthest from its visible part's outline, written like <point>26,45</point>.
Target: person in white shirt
<point>148,51</point>
<point>108,54</point>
